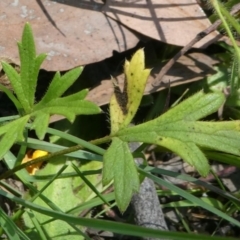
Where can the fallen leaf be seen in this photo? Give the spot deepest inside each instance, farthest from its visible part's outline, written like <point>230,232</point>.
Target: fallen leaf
<point>72,35</point>
<point>75,33</point>
<point>174,22</point>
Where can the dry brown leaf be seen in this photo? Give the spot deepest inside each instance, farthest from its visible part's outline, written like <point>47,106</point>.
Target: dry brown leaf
<point>72,35</point>
<point>172,21</point>
<point>75,32</point>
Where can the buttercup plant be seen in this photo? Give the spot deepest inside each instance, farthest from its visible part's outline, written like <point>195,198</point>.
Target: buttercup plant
<point>179,130</point>
<point>24,86</point>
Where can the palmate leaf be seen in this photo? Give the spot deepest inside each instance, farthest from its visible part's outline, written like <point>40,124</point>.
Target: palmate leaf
<point>178,131</point>
<point>24,86</point>
<point>53,103</point>
<point>69,107</point>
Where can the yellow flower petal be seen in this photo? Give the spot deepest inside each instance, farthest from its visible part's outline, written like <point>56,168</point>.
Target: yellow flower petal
<point>32,169</point>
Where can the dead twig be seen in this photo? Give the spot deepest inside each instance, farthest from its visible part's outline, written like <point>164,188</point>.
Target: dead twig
<point>199,36</point>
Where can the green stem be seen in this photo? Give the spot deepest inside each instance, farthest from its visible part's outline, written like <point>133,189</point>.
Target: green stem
<point>218,8</point>
<point>220,11</point>
<point>101,140</point>
<point>50,156</point>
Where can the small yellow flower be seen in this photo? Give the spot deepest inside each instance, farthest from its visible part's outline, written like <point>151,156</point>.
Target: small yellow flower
<point>32,169</point>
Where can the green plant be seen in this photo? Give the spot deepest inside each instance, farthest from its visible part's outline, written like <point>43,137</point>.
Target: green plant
<point>24,85</point>
<point>177,130</point>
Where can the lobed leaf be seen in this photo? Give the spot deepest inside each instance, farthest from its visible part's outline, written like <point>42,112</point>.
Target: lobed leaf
<point>188,151</point>
<point>136,78</point>
<point>119,166</point>
<point>24,86</point>
<point>60,84</point>
<point>178,131</point>
<point>30,65</point>
<point>124,105</point>
<point>68,106</point>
